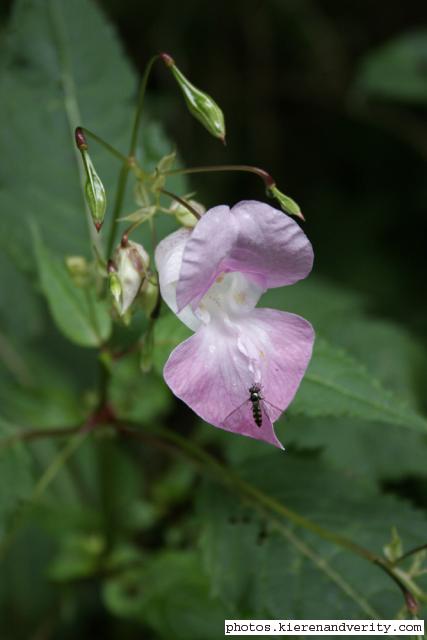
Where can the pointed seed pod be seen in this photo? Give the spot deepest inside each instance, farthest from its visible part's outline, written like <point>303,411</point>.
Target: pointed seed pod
<point>94,189</point>
<point>286,203</point>
<point>199,103</point>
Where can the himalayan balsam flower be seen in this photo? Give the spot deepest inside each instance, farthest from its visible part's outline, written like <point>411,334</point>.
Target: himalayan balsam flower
<point>212,277</point>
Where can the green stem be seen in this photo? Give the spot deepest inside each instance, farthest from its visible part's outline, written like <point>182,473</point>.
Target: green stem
<point>184,203</point>
<point>267,505</point>
<point>265,177</point>
<point>263,503</point>
<point>120,193</point>
<point>46,479</point>
<point>26,435</point>
<point>141,99</point>
<point>121,188</point>
<point>411,552</point>
<point>70,101</point>
<point>106,145</point>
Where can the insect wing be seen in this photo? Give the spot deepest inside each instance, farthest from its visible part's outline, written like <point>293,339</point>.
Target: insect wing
<point>242,419</point>
<point>239,417</point>
<point>270,410</point>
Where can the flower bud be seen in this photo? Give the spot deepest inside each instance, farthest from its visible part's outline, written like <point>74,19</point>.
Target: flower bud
<point>78,268</point>
<point>393,550</point>
<point>287,204</point>
<point>95,192</point>
<point>94,189</point>
<point>184,216</point>
<point>115,287</point>
<point>131,263</point>
<point>202,106</point>
<point>149,296</point>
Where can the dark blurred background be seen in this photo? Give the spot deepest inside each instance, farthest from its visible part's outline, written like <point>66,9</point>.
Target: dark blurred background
<point>284,72</point>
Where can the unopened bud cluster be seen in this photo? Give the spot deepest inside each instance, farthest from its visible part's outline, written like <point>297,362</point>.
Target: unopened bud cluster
<point>127,273</point>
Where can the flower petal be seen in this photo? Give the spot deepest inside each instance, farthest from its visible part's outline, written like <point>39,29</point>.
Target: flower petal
<point>213,370</point>
<point>270,245</point>
<point>210,243</point>
<point>252,238</point>
<point>168,258</point>
<point>279,346</point>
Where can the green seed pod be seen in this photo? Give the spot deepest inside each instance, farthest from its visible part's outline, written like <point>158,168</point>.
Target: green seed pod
<point>94,189</point>
<point>286,203</point>
<point>199,103</point>
<point>115,287</point>
<point>95,192</point>
<point>78,268</point>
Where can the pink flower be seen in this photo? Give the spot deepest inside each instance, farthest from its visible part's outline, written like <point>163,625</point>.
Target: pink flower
<point>242,367</point>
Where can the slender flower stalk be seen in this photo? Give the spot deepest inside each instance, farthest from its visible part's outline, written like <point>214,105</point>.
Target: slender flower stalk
<point>182,202</point>
<point>287,204</point>
<point>124,174</point>
<point>265,177</point>
<point>112,150</point>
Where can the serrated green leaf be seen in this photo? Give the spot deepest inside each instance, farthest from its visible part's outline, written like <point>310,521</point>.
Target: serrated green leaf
<point>338,385</point>
<point>358,447</point>
<point>159,593</point>
<point>65,61</point>
<point>77,312</point>
<point>257,569</point>
<point>397,69</point>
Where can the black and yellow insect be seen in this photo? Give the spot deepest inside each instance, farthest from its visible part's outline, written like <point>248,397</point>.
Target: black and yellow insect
<point>255,398</point>
<point>255,410</point>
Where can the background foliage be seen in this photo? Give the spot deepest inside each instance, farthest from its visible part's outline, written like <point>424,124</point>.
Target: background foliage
<point>107,536</point>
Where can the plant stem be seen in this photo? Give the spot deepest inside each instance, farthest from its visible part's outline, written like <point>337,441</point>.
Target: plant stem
<point>141,98</point>
<point>411,552</point>
<point>121,187</point>
<point>268,505</point>
<point>265,177</point>
<point>34,434</point>
<point>262,502</point>
<point>105,144</point>
<point>184,203</point>
<point>47,477</point>
<point>70,101</point>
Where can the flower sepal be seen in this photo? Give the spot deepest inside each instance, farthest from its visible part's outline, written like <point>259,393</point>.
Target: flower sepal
<point>127,273</point>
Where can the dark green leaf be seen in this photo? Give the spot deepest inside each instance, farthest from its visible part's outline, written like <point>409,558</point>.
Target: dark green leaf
<point>171,595</point>
<point>397,70</point>
<point>267,571</point>
<point>338,385</point>
<point>77,312</point>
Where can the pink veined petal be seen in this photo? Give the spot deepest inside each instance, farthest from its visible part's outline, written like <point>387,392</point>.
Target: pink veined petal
<point>252,238</point>
<point>270,245</point>
<point>210,243</point>
<point>213,370</point>
<point>280,345</point>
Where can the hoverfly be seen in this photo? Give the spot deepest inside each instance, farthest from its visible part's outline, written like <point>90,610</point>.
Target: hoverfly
<point>255,410</point>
